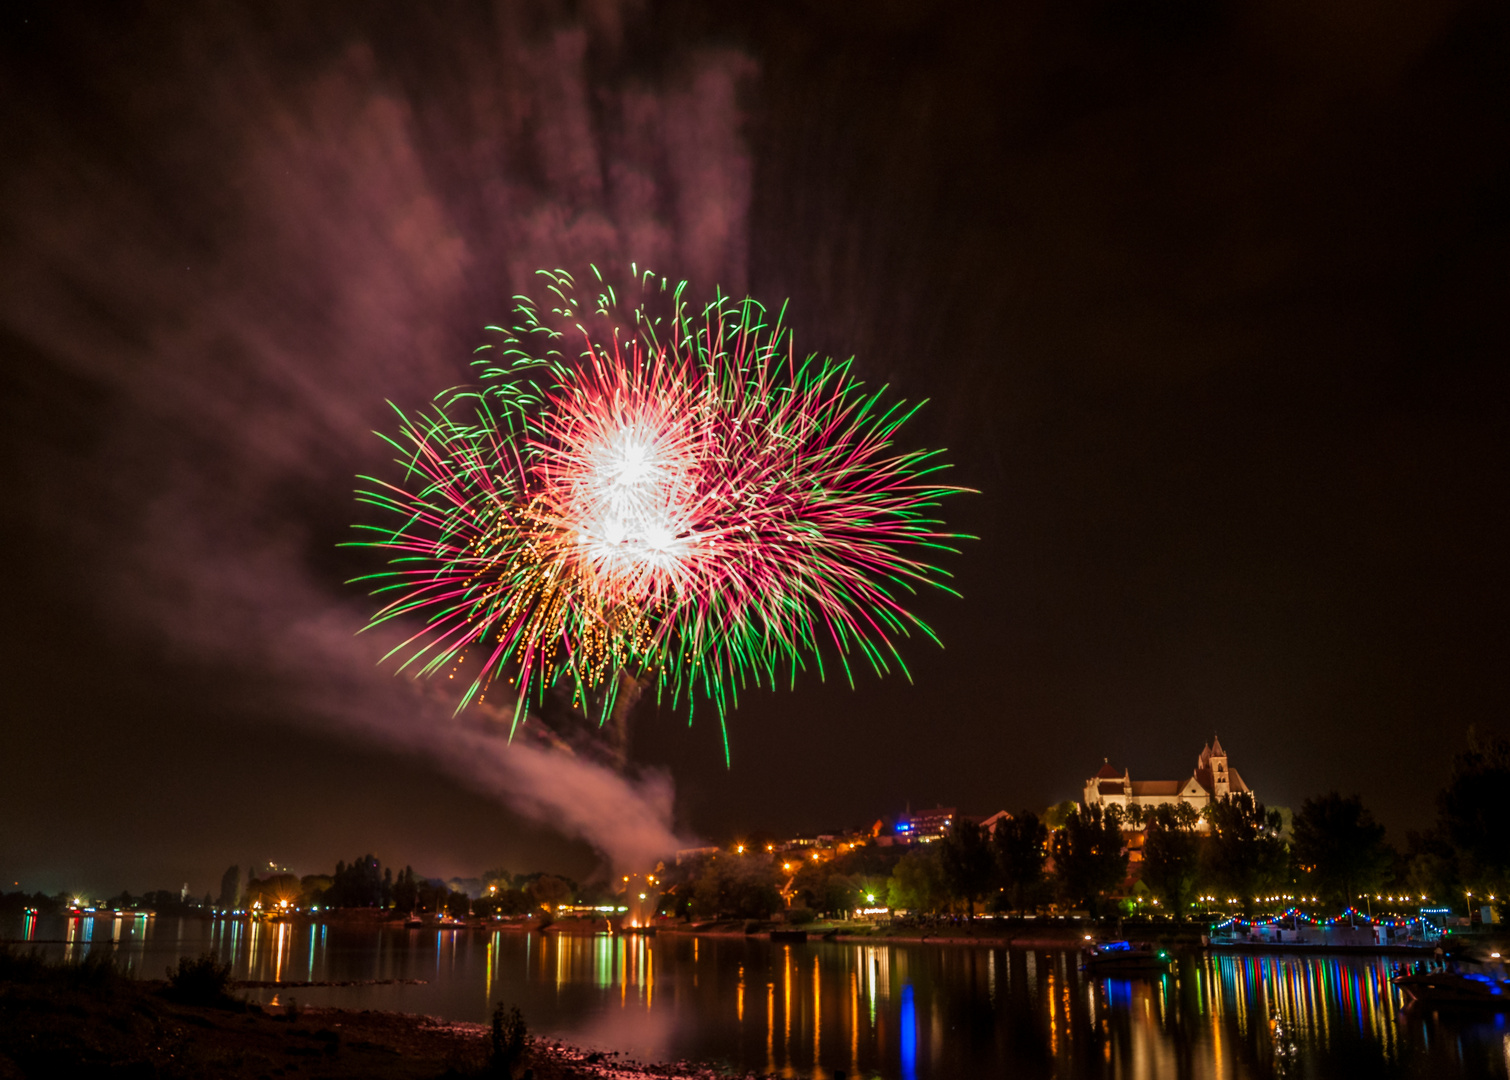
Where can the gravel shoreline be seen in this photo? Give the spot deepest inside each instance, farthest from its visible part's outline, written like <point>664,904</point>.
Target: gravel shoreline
<point>83,1022</point>
<point>549,1059</point>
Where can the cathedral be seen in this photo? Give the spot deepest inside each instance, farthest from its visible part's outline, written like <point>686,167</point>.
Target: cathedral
<point>1213,779</point>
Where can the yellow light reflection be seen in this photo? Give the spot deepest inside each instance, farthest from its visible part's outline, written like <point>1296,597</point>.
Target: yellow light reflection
<point>817,1013</point>
<point>278,947</point>
<point>492,950</point>
<point>786,1003</point>
<point>1053,1018</point>
<point>854,1022</point>
<point>770,1027</point>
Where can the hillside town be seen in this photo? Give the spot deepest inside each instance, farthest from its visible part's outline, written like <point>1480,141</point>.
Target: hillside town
<point>1201,847</point>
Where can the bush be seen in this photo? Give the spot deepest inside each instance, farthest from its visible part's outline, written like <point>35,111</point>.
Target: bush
<point>510,1040</point>
<point>203,980</point>
<point>799,915</point>
<point>96,972</point>
<point>18,966</point>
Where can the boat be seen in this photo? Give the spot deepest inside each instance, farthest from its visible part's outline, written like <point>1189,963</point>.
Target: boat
<point>1446,982</point>
<point>789,937</point>
<point>1295,932</point>
<point>414,922</point>
<point>1109,957</point>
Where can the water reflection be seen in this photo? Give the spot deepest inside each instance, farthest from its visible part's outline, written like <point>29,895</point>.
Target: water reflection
<point>909,1045</point>
<point>875,1011</point>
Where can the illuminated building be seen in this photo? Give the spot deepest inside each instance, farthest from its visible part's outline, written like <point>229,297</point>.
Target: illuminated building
<point>1213,779</point>
<point>924,826</point>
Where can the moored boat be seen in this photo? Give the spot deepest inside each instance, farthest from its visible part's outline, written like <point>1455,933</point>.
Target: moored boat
<point>1106,957</point>
<point>1449,983</point>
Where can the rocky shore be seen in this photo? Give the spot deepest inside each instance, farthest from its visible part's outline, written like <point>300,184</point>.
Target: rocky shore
<point>96,1023</point>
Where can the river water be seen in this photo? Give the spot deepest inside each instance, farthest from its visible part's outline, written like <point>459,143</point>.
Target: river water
<point>898,1012</point>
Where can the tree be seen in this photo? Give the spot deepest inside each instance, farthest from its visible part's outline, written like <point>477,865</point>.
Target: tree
<point>1244,855</point>
<point>276,891</point>
<point>839,896</point>
<point>1021,845</point>
<point>838,884</point>
<point>315,889</point>
<point>917,882</point>
<point>405,891</point>
<point>1431,866</point>
<point>741,886</point>
<point>1186,816</point>
<point>1089,857</point>
<point>230,887</point>
<point>1475,814</point>
<point>968,863</point>
<point>1340,848</point>
<point>1055,816</point>
<point>1171,856</point>
<point>357,885</point>
<point>498,880</point>
<point>547,891</point>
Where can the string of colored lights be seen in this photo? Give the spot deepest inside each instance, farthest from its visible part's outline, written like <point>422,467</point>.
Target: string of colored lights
<point>1348,915</point>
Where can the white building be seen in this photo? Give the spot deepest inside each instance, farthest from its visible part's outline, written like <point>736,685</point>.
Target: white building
<point>1213,779</point>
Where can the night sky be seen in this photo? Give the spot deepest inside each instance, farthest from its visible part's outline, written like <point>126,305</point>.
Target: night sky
<point>1210,302</point>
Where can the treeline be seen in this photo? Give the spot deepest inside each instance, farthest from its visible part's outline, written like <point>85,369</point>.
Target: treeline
<point>162,901</point>
<point>366,883</point>
<point>1236,855</point>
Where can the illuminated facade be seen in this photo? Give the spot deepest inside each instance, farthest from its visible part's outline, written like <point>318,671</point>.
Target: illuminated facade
<point>925,826</point>
<point>1213,779</point>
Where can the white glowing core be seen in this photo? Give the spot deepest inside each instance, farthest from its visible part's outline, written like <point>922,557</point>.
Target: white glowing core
<point>633,512</point>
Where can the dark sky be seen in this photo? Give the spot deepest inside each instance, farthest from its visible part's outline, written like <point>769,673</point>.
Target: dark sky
<point>1210,303</point>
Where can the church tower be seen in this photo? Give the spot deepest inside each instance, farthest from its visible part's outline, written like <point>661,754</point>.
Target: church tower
<point>1220,785</point>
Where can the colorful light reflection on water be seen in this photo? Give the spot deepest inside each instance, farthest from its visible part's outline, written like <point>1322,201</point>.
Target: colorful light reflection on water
<point>903,1012</point>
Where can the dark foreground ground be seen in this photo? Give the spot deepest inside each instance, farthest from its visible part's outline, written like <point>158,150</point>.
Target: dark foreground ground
<point>92,1022</point>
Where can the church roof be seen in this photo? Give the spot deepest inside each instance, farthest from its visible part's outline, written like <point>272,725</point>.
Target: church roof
<point>1203,781</point>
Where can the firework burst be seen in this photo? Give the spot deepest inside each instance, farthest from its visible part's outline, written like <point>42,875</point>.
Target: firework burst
<point>675,496</point>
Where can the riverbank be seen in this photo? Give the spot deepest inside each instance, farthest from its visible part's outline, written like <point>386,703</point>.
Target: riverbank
<point>1019,934</point>
<point>1066,934</point>
<point>91,1021</point>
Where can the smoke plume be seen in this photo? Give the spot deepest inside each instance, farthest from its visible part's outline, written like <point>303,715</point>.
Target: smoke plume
<point>285,223</point>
